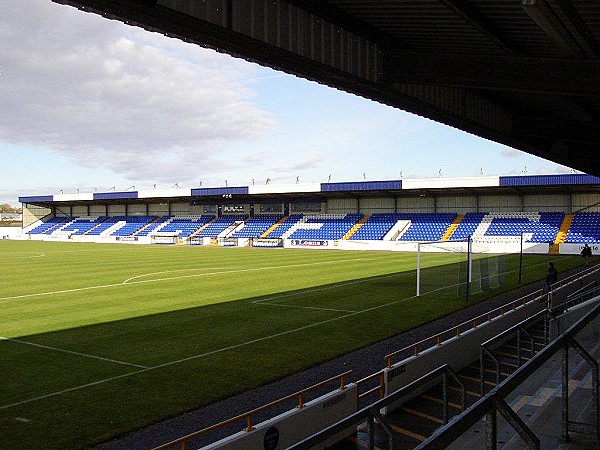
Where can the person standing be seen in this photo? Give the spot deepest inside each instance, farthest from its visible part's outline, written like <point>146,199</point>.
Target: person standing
<point>551,275</point>
<point>586,253</point>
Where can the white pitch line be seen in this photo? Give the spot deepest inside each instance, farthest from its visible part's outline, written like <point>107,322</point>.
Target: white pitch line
<point>156,280</point>
<point>172,271</point>
<point>250,269</point>
<point>62,350</point>
<point>203,355</point>
<point>306,307</point>
<point>25,255</point>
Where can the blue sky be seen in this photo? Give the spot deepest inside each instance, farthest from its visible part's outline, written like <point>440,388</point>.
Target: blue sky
<point>90,104</point>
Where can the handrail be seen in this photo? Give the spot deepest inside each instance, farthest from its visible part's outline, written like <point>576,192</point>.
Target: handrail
<point>247,416</point>
<point>447,434</point>
<point>576,298</point>
<point>514,328</point>
<point>380,388</point>
<point>486,350</point>
<point>455,331</point>
<point>367,413</point>
<point>574,277</point>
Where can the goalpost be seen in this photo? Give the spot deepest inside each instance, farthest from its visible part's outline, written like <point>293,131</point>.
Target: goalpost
<point>469,267</point>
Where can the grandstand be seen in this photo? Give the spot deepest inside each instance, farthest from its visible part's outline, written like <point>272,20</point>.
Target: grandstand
<point>387,215</point>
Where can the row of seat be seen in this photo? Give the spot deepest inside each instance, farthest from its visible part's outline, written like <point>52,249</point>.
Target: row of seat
<point>540,227</point>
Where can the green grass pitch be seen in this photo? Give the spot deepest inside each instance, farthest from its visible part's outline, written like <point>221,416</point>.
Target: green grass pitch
<point>98,340</point>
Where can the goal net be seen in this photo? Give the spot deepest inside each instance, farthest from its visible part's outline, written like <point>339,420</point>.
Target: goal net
<point>458,269</point>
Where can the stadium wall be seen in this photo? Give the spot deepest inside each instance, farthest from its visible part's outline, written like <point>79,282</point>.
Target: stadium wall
<point>370,206</point>
<point>586,201</point>
<point>11,232</point>
<point>417,204</point>
<point>459,204</point>
<point>342,205</point>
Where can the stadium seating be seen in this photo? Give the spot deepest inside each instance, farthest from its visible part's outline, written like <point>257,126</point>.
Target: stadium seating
<point>535,227</point>
<point>376,227</point>
<point>256,226</point>
<point>53,224</point>
<point>585,228</point>
<point>325,226</point>
<point>82,225</point>
<point>214,229</point>
<point>181,226</point>
<point>285,226</point>
<point>426,226</point>
<point>467,226</point>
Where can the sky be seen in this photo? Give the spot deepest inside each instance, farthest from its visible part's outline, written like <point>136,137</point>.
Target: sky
<point>89,104</point>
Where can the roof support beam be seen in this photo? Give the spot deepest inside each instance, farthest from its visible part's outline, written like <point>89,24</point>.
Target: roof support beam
<point>567,8</point>
<point>476,19</point>
<point>348,22</point>
<point>572,77</point>
<point>545,18</point>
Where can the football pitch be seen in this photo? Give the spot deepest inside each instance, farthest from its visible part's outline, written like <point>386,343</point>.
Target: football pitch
<point>98,340</point>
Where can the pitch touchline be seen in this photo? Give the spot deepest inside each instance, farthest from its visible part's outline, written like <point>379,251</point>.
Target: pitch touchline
<point>128,283</point>
<point>203,355</point>
<point>71,352</point>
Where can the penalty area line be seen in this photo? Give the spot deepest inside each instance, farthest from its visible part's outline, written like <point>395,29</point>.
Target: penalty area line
<point>71,352</point>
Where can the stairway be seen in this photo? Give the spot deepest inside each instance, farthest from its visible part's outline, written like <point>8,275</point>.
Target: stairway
<point>452,228</point>
<point>355,228</point>
<point>564,229</point>
<point>420,417</point>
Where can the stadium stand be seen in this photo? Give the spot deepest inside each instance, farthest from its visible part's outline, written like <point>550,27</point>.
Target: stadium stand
<point>131,225</point>
<point>376,227</point>
<point>178,226</point>
<point>82,225</point>
<point>51,225</point>
<point>325,226</point>
<point>285,226</point>
<point>426,226</point>
<point>585,228</point>
<point>214,229</point>
<point>256,226</point>
<point>535,227</point>
<point>467,226</point>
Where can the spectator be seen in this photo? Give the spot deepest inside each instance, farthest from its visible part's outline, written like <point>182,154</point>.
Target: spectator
<point>551,275</point>
<point>586,253</point>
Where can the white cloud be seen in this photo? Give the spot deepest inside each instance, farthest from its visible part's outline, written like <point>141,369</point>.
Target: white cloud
<point>116,97</point>
<point>511,153</point>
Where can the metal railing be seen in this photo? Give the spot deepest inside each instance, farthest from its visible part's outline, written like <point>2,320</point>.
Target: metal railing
<point>247,417</point>
<point>494,400</point>
<point>437,339</point>
<point>519,329</point>
<point>372,413</point>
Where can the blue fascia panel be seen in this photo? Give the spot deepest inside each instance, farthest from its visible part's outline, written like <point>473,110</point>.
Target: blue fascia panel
<point>242,190</point>
<point>37,199</point>
<point>549,180</point>
<point>361,186</point>
<point>115,195</point>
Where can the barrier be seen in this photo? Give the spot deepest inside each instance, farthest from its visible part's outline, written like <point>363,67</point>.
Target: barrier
<point>289,427</point>
<point>292,426</point>
<point>459,345</point>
